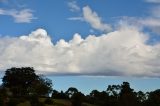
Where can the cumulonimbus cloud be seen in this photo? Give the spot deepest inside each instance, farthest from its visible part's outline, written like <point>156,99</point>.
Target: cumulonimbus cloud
<point>123,52</point>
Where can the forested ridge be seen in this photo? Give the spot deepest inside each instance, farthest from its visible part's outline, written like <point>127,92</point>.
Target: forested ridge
<point>23,87</point>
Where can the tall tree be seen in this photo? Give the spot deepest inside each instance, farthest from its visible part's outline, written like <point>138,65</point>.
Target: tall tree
<point>98,98</point>
<point>71,91</point>
<point>24,81</point>
<point>127,95</point>
<point>154,98</point>
<point>113,92</point>
<point>59,95</point>
<point>141,96</point>
<point>42,86</point>
<point>77,99</point>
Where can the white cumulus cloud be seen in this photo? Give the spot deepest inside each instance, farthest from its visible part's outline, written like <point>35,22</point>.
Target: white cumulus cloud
<point>123,52</point>
<point>19,16</point>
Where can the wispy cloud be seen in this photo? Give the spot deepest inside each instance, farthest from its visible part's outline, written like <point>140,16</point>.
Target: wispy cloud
<point>151,21</point>
<point>123,52</point>
<point>19,16</point>
<point>153,1</point>
<point>155,12</point>
<point>76,18</point>
<point>4,1</point>
<point>73,6</point>
<point>94,20</point>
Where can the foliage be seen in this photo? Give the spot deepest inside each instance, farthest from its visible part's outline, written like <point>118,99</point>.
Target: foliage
<point>41,87</point>
<point>24,82</point>
<point>117,95</point>
<point>19,80</point>
<point>24,85</point>
<point>71,91</point>
<point>77,99</point>
<point>59,95</point>
<point>127,95</point>
<point>1,100</point>
<point>154,98</point>
<point>48,101</point>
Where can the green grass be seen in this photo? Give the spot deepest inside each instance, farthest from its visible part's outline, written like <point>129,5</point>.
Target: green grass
<point>87,104</point>
<point>61,102</point>
<point>27,103</point>
<point>56,102</point>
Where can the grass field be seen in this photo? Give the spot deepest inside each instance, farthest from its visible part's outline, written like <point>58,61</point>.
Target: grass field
<point>56,102</point>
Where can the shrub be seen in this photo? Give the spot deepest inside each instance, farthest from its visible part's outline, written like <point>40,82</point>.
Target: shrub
<point>48,101</point>
<point>13,102</point>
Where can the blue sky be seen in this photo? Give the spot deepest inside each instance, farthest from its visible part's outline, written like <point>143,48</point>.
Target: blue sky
<point>87,84</point>
<point>88,44</point>
<point>53,16</point>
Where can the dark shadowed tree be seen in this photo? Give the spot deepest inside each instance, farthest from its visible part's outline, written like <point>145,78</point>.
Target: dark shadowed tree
<point>141,96</point>
<point>113,92</point>
<point>19,80</point>
<point>98,98</point>
<point>127,95</point>
<point>77,99</point>
<point>154,98</point>
<point>55,94</point>
<point>24,81</point>
<point>59,95</point>
<point>71,91</point>
<point>42,86</point>
<point>94,97</point>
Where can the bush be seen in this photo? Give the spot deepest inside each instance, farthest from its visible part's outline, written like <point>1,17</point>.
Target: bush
<point>1,100</point>
<point>13,102</point>
<point>48,101</point>
<point>34,100</point>
<point>40,104</point>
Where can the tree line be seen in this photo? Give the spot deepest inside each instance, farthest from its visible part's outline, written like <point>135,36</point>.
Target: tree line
<point>21,84</point>
<point>114,95</point>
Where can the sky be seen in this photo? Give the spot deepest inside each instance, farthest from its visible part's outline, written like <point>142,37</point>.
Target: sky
<point>86,44</point>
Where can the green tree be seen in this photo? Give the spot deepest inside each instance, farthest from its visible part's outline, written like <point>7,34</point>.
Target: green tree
<point>59,95</point>
<point>55,94</point>
<point>127,95</point>
<point>98,98</point>
<point>154,98</point>
<point>141,96</point>
<point>24,82</point>
<point>71,91</point>
<point>94,97</point>
<point>113,92</point>
<point>41,87</point>
<point>77,99</point>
